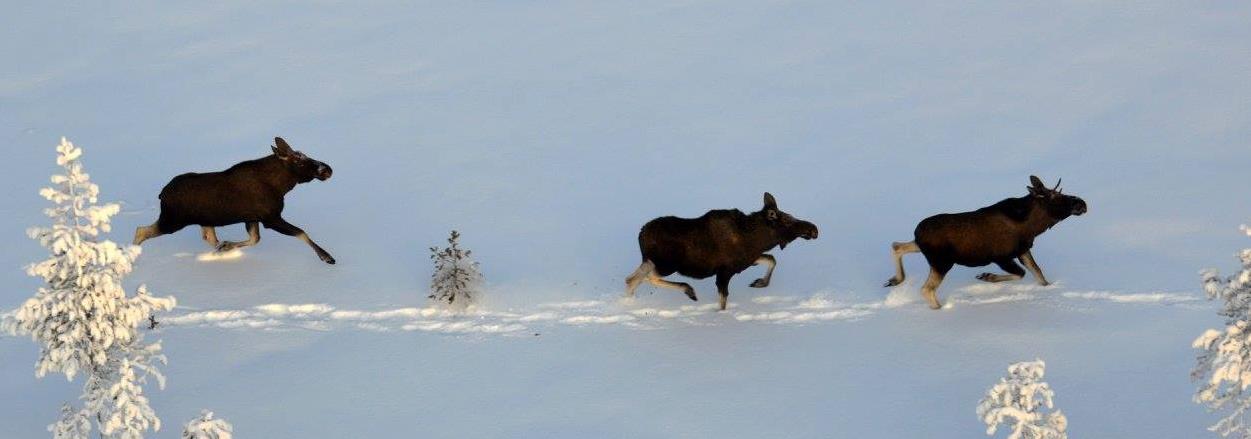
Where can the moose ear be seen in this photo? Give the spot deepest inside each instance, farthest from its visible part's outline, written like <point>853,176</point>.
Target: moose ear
<point>769,202</point>
<point>281,148</point>
<point>1036,183</point>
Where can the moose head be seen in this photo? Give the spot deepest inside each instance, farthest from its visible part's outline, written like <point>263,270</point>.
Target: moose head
<point>786,227</point>
<point>304,168</point>
<point>1057,204</point>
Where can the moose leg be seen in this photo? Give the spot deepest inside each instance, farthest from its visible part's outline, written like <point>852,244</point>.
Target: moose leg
<point>282,226</point>
<point>723,288</point>
<point>1014,272</point>
<point>639,275</point>
<point>898,250</point>
<point>254,236</point>
<point>145,233</point>
<point>162,226</point>
<point>765,259</point>
<point>210,235</point>
<point>930,289</point>
<point>1028,259</point>
<point>660,282</point>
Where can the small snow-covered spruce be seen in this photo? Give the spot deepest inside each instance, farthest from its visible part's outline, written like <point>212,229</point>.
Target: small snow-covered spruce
<point>456,282</point>
<point>1017,399</point>
<point>1223,368</point>
<point>73,424</point>
<point>82,318</point>
<point>206,427</point>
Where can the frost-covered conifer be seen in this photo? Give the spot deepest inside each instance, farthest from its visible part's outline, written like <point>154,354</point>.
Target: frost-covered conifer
<point>456,282</point>
<point>1016,401</point>
<point>206,427</point>
<point>82,318</point>
<point>73,424</point>
<point>1224,362</point>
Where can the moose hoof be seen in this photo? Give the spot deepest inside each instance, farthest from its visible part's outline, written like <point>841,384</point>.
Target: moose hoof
<point>986,277</point>
<point>325,257</point>
<point>759,283</point>
<point>690,292</point>
<point>892,282</point>
<point>936,306</point>
<point>225,247</point>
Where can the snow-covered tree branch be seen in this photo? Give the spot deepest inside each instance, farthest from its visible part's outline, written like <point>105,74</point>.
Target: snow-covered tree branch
<point>73,424</point>
<point>207,427</point>
<point>1223,369</point>
<point>82,318</point>
<point>1016,401</point>
<point>456,282</point>
<point>8,323</point>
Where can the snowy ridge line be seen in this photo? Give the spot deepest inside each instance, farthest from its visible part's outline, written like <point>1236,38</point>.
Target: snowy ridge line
<point>982,294</point>
<point>325,317</point>
<point>316,316</point>
<point>792,310</point>
<point>1165,298</point>
<point>786,310</point>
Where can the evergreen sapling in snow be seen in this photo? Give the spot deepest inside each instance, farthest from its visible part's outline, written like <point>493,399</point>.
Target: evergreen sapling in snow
<point>456,282</point>
<point>1016,401</point>
<point>1223,369</point>
<point>82,318</point>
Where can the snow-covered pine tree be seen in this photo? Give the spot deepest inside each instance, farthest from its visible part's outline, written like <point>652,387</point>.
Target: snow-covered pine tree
<point>456,282</point>
<point>1223,369</point>
<point>82,318</point>
<point>206,427</point>
<point>73,424</point>
<point>1016,401</point>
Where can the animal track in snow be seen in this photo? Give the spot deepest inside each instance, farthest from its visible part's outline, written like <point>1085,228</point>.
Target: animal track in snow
<point>817,308</point>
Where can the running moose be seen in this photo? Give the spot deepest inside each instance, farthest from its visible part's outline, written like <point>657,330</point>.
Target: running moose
<point>994,234</point>
<point>721,243</point>
<point>250,192</point>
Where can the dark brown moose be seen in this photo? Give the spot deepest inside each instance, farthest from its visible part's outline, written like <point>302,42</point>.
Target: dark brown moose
<point>994,234</point>
<point>721,243</point>
<point>250,192</point>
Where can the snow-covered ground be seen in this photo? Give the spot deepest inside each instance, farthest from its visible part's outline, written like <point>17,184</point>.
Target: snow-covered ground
<point>825,365</point>
<point>548,133</point>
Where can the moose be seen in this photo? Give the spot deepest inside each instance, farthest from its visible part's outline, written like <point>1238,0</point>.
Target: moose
<point>994,234</point>
<point>721,243</point>
<point>250,192</point>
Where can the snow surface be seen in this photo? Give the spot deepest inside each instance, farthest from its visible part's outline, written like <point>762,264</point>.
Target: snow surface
<point>211,256</point>
<point>548,133</point>
<point>802,366</point>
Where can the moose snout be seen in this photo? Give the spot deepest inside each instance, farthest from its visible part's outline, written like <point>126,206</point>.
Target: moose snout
<point>808,231</point>
<point>1079,208</point>
<point>324,172</point>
